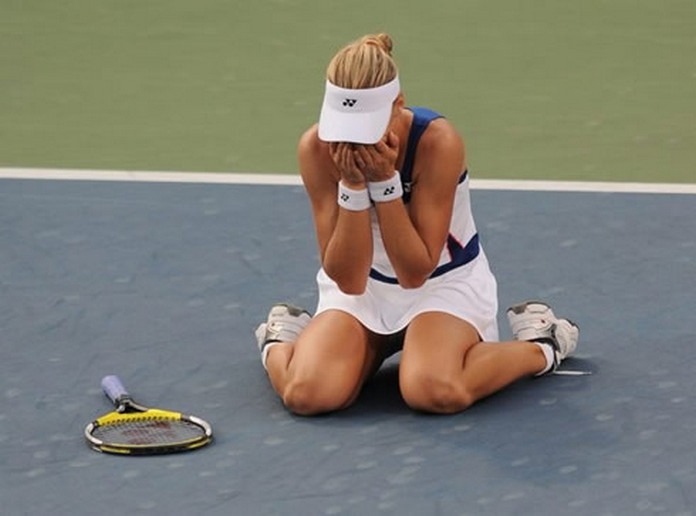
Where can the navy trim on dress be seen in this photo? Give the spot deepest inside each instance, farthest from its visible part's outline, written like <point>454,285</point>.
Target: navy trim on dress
<point>460,256</point>
<point>421,119</point>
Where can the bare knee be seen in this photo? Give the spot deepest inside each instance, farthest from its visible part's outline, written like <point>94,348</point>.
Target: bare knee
<point>428,392</point>
<point>307,398</point>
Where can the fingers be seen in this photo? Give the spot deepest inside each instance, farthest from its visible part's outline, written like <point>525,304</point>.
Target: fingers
<point>343,157</point>
<point>364,156</point>
<point>357,163</point>
<point>393,141</point>
<point>378,161</point>
<point>337,151</point>
<point>340,154</point>
<point>360,159</point>
<point>388,144</point>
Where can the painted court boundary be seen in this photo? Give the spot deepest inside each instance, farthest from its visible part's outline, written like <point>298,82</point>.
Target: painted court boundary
<point>61,174</point>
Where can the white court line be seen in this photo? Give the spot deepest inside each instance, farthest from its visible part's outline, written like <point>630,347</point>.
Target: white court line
<point>63,174</point>
<point>291,179</point>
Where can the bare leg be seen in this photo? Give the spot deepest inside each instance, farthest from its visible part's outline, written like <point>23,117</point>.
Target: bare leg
<point>327,366</point>
<point>445,367</point>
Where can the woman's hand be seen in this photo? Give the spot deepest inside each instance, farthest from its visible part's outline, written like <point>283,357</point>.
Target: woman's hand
<point>342,155</point>
<point>377,162</point>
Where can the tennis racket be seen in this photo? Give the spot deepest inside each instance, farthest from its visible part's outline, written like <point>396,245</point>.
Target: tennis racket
<point>133,429</point>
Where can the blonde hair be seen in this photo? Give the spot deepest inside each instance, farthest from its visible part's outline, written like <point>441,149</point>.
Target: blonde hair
<point>364,63</point>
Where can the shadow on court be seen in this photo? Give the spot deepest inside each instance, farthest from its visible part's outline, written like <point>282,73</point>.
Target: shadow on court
<point>164,283</point>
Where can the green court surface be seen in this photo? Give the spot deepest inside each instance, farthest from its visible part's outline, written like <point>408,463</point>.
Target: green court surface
<point>590,90</point>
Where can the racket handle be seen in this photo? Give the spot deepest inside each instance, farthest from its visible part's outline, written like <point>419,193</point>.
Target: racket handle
<point>113,388</point>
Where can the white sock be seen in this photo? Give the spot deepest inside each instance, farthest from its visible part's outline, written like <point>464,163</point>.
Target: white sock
<point>549,355</point>
<point>264,353</point>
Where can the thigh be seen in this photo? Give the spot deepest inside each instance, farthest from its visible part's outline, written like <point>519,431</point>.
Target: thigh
<point>436,343</point>
<point>335,352</point>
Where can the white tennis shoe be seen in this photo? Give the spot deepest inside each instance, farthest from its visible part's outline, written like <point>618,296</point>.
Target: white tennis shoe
<point>535,321</point>
<point>285,322</point>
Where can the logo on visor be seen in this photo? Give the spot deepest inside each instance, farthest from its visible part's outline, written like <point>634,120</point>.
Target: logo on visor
<point>349,102</point>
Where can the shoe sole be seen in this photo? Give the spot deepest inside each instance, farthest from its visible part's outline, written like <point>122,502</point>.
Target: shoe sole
<point>572,323</point>
<point>293,310</point>
<point>522,307</point>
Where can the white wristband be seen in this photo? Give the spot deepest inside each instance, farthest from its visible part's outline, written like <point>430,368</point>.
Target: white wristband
<point>384,191</point>
<point>353,200</point>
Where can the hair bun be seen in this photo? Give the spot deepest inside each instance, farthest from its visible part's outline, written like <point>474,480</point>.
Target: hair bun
<point>364,63</point>
<point>381,40</point>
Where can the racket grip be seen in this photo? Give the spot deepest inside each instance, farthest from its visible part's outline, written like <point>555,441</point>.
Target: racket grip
<point>113,388</point>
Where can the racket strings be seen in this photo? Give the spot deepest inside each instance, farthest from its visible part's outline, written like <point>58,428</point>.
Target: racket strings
<point>148,431</point>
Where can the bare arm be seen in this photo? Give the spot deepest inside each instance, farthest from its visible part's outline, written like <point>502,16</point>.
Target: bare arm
<point>344,237</point>
<point>415,236</point>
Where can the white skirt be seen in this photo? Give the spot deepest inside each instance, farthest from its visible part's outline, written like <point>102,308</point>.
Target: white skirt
<point>469,292</point>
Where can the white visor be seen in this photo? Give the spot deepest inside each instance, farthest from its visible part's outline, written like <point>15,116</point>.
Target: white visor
<point>356,116</point>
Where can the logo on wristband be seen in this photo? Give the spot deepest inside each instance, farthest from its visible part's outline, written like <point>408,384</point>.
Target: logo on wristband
<point>387,190</point>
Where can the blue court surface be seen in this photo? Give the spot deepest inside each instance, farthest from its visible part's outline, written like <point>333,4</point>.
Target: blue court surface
<point>163,284</point>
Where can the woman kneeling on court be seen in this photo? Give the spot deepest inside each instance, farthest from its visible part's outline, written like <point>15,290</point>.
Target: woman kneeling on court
<point>401,263</point>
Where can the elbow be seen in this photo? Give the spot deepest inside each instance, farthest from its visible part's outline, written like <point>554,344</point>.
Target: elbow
<point>412,282</point>
<point>352,286</point>
<point>352,289</point>
<point>349,284</point>
<point>414,279</point>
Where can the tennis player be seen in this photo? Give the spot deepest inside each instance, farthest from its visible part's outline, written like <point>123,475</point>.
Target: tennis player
<point>402,267</point>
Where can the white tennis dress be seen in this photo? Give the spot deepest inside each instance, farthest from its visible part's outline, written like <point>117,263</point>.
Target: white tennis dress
<point>462,284</point>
